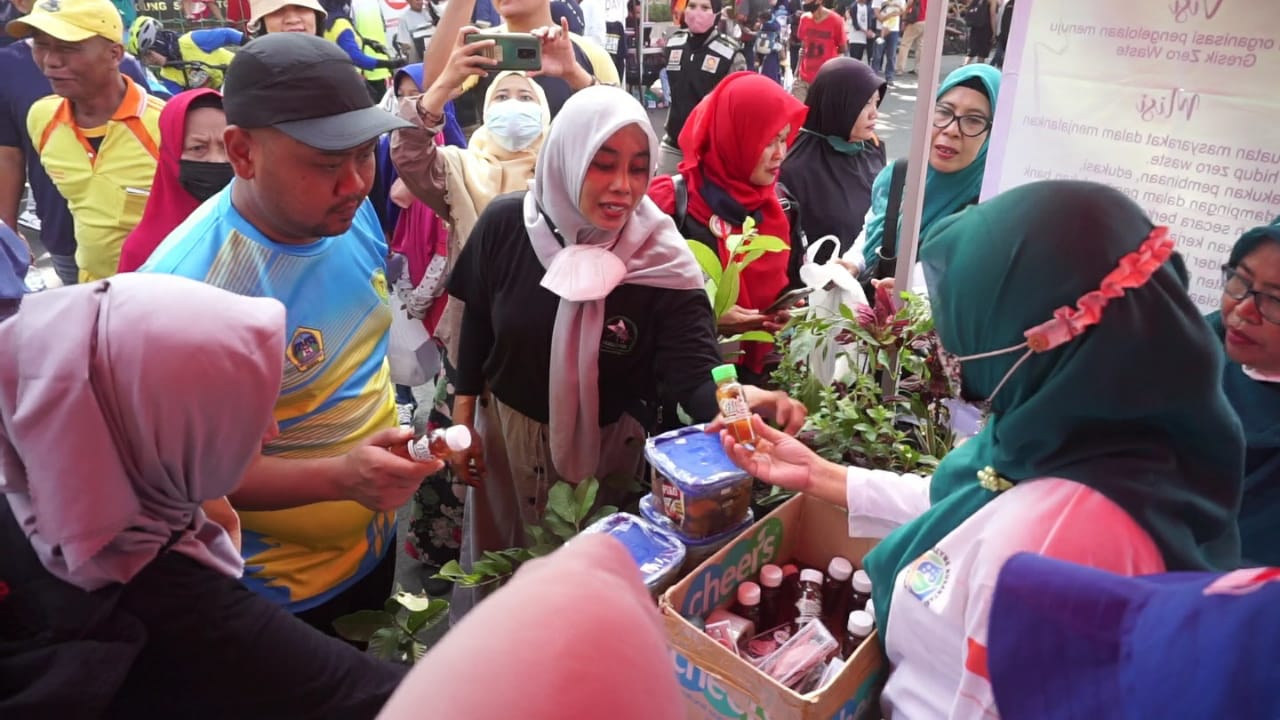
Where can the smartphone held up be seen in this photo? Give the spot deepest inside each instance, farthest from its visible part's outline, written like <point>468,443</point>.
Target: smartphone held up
<point>511,51</point>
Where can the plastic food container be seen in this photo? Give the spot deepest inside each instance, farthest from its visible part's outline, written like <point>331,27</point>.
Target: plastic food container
<point>657,553</point>
<point>696,549</point>
<point>701,490</point>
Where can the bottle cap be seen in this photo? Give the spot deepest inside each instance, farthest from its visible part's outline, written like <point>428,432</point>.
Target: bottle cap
<point>748,594</point>
<point>457,438</point>
<point>860,623</point>
<point>862,582</point>
<point>721,373</point>
<point>789,569</point>
<point>840,569</point>
<point>813,576</point>
<point>771,576</point>
<point>871,608</point>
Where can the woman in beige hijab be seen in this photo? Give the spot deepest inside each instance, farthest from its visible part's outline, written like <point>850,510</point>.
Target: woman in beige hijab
<point>459,183</point>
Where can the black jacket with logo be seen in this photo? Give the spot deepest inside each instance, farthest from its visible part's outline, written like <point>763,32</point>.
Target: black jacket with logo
<point>695,65</point>
<point>657,345</point>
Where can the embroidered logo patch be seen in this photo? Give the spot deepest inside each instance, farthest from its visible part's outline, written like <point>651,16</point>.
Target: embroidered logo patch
<point>618,336</point>
<point>673,60</point>
<point>710,63</point>
<point>379,282</point>
<point>306,349</point>
<point>928,575</point>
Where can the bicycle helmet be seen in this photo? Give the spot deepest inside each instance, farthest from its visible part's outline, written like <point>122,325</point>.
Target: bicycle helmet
<point>142,35</point>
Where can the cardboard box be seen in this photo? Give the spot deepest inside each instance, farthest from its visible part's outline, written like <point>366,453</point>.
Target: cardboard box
<point>716,683</point>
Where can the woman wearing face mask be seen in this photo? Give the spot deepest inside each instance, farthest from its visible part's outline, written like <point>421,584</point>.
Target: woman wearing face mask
<point>584,309</point>
<point>734,144</point>
<point>268,16</point>
<point>1041,293</point>
<point>1249,326</point>
<point>698,57</point>
<point>837,156</point>
<point>192,168</point>
<point>957,160</point>
<point>458,183</point>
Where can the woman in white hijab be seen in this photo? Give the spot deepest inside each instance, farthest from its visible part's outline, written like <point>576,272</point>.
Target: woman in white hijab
<point>118,423</point>
<point>584,310</point>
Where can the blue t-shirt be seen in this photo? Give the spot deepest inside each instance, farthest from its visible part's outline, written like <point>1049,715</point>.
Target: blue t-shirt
<point>23,85</point>
<point>335,392</point>
<point>14,260</point>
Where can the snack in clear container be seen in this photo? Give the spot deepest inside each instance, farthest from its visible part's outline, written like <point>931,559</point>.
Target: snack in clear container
<point>658,554</point>
<point>802,658</point>
<point>732,631</point>
<point>698,487</point>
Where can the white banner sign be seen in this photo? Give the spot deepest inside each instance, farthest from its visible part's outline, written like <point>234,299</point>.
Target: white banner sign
<point>1174,102</point>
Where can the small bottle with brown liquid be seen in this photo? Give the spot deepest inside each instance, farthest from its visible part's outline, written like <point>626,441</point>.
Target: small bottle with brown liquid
<point>858,627</point>
<point>809,600</point>
<point>437,444</point>
<point>771,595</point>
<point>749,603</point>
<point>861,584</point>
<point>835,594</point>
<point>733,404</point>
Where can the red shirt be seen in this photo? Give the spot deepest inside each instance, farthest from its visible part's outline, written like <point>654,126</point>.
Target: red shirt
<point>821,41</point>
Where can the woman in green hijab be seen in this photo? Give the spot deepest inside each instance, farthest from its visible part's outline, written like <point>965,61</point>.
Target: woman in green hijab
<point>962,116</point>
<point>1108,443</point>
<point>1251,338</point>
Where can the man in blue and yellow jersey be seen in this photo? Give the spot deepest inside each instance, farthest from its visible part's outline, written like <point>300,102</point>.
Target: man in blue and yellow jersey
<point>98,137</point>
<point>317,509</point>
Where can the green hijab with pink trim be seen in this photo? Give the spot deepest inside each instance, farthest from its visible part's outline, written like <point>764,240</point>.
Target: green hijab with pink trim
<point>1130,405</point>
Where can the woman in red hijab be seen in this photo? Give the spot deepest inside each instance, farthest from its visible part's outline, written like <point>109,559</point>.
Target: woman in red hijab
<point>192,168</point>
<point>734,143</point>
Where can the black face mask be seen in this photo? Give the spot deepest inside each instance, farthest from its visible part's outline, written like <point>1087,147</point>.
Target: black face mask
<point>204,179</point>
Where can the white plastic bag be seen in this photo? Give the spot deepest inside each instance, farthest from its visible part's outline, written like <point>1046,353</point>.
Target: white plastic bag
<point>833,286</point>
<point>413,357</point>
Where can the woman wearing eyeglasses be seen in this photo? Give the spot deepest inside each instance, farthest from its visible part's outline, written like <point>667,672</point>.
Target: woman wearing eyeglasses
<point>1249,325</point>
<point>957,157</point>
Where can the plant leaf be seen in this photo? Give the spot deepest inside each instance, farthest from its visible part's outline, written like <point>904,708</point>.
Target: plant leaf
<point>559,527</point>
<point>560,501</point>
<point>413,603</point>
<point>419,651</point>
<point>604,512</point>
<point>707,259</point>
<point>585,495</point>
<point>451,571</point>
<point>360,626</point>
<point>501,562</point>
<point>768,244</point>
<point>727,293</point>
<point>385,643</point>
<point>436,610</point>
<point>756,336</point>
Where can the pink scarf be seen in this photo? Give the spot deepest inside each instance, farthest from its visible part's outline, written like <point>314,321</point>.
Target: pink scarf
<point>124,404</point>
<point>647,251</point>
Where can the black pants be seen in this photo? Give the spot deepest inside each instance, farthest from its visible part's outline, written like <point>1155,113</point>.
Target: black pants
<point>368,593</point>
<point>858,51</point>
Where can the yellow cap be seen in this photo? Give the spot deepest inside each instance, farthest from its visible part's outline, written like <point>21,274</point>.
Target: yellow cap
<point>71,20</point>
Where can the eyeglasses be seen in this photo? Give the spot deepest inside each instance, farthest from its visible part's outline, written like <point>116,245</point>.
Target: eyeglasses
<point>970,125</point>
<point>1238,287</point>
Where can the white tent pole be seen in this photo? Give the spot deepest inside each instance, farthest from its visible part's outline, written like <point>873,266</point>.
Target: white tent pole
<point>921,130</point>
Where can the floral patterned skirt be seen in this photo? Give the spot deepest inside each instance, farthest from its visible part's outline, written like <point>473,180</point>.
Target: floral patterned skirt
<point>435,521</point>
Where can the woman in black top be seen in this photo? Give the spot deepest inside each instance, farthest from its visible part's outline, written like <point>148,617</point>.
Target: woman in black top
<point>584,309</point>
<point>837,156</point>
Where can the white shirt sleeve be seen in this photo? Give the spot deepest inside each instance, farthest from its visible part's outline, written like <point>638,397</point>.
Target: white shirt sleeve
<point>880,501</point>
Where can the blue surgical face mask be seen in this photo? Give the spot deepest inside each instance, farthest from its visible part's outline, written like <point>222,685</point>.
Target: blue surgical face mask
<point>514,124</point>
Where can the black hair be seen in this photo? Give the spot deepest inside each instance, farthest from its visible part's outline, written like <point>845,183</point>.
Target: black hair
<point>975,83</point>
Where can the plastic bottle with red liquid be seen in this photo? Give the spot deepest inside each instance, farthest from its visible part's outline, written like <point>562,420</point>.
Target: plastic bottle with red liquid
<point>790,592</point>
<point>835,594</point>
<point>437,444</point>
<point>749,603</point>
<point>771,595</point>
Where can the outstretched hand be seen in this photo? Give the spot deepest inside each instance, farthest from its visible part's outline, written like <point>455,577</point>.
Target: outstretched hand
<point>777,459</point>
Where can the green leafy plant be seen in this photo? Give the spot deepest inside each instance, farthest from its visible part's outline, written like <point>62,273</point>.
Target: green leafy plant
<point>397,631</point>
<point>724,282</point>
<point>569,510</point>
<point>851,420</point>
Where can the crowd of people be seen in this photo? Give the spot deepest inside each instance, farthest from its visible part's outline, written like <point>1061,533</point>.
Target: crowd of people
<point>216,370</point>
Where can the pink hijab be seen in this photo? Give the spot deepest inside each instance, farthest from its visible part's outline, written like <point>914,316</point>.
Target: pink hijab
<point>114,428</point>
